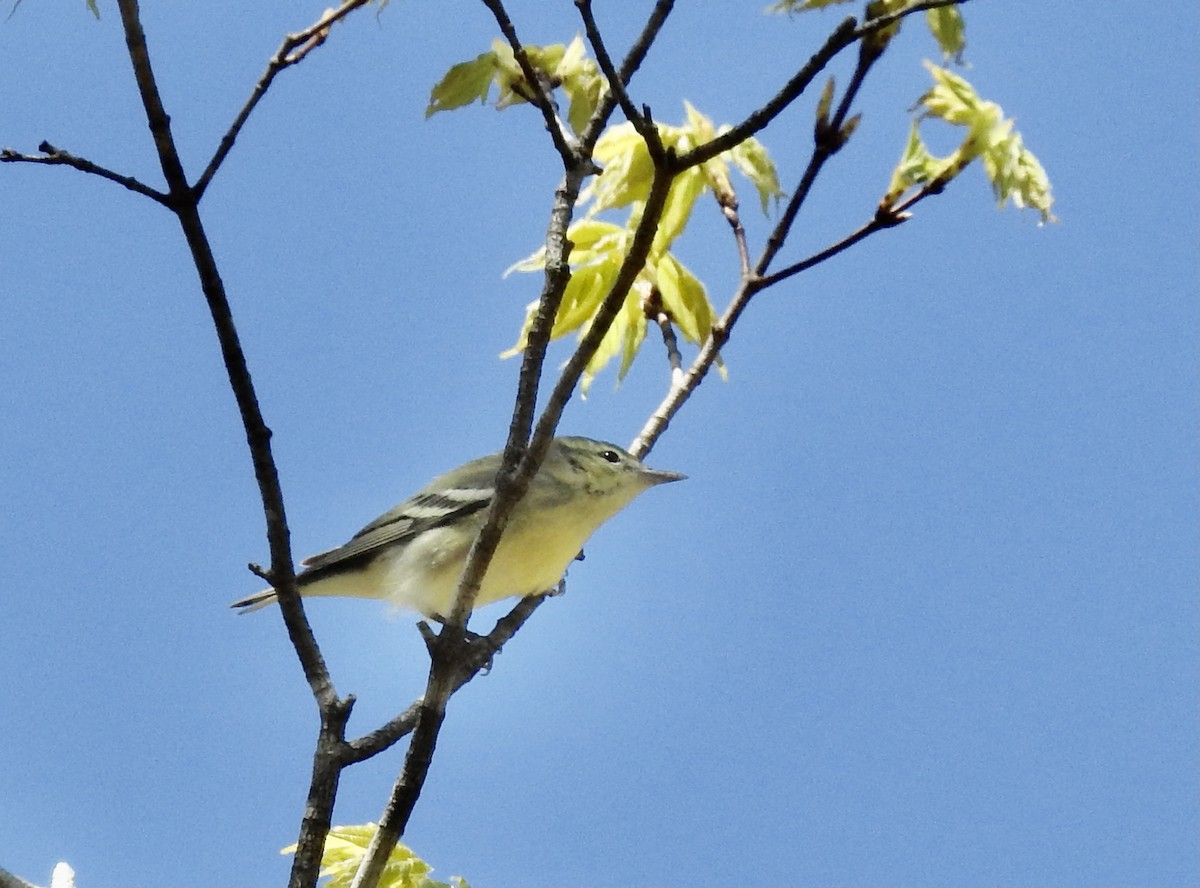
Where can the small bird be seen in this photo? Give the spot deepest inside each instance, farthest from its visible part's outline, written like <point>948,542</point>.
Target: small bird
<point>412,556</point>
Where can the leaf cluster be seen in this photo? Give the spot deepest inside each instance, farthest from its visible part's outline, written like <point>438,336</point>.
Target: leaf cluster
<point>1013,170</point>
<point>560,66</point>
<point>664,286</point>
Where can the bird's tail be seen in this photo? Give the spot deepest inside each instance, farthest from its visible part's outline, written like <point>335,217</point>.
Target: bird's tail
<point>257,601</point>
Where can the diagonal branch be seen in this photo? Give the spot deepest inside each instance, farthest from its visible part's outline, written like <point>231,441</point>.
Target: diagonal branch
<point>640,119</point>
<point>541,98</point>
<point>52,156</point>
<point>479,660</point>
<point>829,138</point>
<point>885,217</point>
<point>295,48</point>
<point>633,61</point>
<point>844,35</point>
<point>847,33</point>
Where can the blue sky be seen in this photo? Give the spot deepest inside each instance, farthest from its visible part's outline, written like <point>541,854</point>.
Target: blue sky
<point>925,613</point>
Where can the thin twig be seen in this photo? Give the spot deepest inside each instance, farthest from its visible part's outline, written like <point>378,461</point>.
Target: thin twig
<point>828,140</point>
<point>847,33</point>
<point>844,35</point>
<point>884,218</point>
<point>656,312</point>
<point>633,61</point>
<point>631,267</point>
<point>295,48</point>
<point>52,156</point>
<point>484,649</point>
<point>641,121</point>
<point>540,98</point>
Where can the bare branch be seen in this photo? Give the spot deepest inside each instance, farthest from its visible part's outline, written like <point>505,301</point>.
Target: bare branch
<point>633,61</point>
<point>844,35</point>
<point>334,711</point>
<point>295,48</point>
<point>656,312</point>
<point>828,141</point>
<point>631,267</point>
<point>482,651</point>
<point>52,156</point>
<point>641,121</point>
<point>884,218</point>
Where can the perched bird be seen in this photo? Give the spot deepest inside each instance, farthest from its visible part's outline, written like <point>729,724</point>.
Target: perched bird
<point>412,555</point>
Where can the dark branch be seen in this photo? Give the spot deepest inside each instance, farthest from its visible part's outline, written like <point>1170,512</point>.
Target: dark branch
<point>828,141</point>
<point>633,61</point>
<point>52,156</point>
<point>884,218</point>
<point>641,122</point>
<point>844,35</point>
<point>333,711</point>
<point>540,98</point>
<point>847,33</point>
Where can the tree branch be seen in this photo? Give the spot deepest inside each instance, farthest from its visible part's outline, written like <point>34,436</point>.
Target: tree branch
<point>844,35</point>
<point>52,156</point>
<point>333,711</point>
<point>295,48</point>
<point>641,120</point>
<point>884,218</point>
<point>847,33</point>
<point>828,139</point>
<point>633,61</point>
<point>558,133</point>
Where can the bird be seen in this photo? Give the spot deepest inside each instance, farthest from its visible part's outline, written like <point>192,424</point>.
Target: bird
<point>413,554</point>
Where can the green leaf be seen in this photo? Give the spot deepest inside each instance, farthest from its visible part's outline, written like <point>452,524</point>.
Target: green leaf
<point>916,167</point>
<point>557,66</point>
<point>582,82</point>
<point>463,84</point>
<point>753,162</point>
<point>628,169</point>
<point>685,191</point>
<point>1017,175</point>
<point>345,847</point>
<point>685,300</point>
<point>600,247</point>
<point>1013,170</point>
<point>946,25</point>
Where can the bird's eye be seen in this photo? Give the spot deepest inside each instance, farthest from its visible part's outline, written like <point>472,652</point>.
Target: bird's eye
<point>611,455</point>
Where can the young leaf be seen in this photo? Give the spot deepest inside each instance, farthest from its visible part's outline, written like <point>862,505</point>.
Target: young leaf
<point>753,162</point>
<point>946,25</point>
<point>345,847</point>
<point>1014,172</point>
<point>463,84</point>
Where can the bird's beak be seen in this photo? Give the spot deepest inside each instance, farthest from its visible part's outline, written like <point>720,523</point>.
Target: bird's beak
<point>655,476</point>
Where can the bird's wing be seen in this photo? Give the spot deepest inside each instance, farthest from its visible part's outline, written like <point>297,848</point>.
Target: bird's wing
<point>424,511</point>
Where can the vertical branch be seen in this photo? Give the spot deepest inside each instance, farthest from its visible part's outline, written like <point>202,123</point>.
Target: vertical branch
<point>183,201</point>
